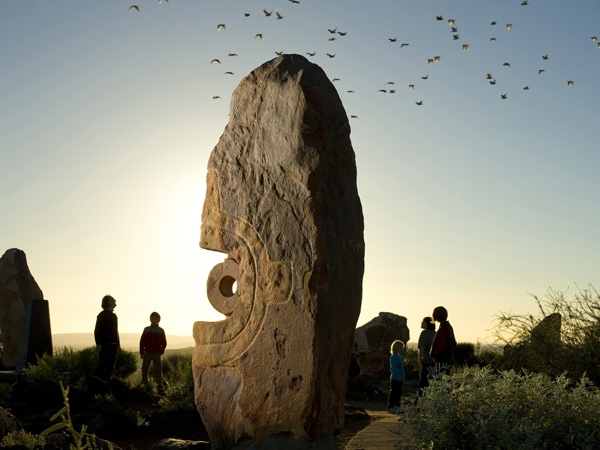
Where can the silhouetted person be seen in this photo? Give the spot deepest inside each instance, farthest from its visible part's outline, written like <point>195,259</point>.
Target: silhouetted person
<point>106,334</point>
<point>444,342</point>
<point>424,345</point>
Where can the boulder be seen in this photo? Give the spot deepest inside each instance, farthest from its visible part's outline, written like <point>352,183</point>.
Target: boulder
<point>373,341</point>
<point>8,423</point>
<point>17,288</point>
<point>282,205</point>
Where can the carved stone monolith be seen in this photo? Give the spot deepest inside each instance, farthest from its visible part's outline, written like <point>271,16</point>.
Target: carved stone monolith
<point>17,288</point>
<point>282,203</point>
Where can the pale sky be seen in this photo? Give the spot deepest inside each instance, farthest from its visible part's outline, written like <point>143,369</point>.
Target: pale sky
<point>471,201</point>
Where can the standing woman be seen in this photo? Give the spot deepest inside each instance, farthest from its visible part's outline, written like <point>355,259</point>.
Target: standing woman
<point>106,334</point>
<point>444,342</point>
<point>424,345</point>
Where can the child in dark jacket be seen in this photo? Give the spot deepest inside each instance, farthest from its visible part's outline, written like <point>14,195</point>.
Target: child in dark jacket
<point>152,346</point>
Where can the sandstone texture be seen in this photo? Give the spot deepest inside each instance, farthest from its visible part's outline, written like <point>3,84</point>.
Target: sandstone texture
<point>283,206</point>
<point>17,287</point>
<point>373,341</point>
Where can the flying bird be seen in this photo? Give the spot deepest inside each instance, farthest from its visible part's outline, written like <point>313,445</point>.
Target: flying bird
<point>425,77</point>
<point>430,61</point>
<point>350,92</point>
<point>570,83</point>
<point>279,53</point>
<point>465,47</point>
<point>454,29</point>
<point>278,14</point>
<point>220,27</point>
<point>451,22</point>
<point>506,64</point>
<point>540,71</point>
<point>439,17</point>
<point>411,86</point>
<point>311,54</point>
<point>335,79</point>
<point>456,37</point>
<point>228,73</point>
<point>437,58</point>
<point>420,102</point>
<point>392,39</point>
<point>503,96</point>
<point>404,44</point>
<point>392,91</point>
<point>267,13</point>
<point>136,7</point>
<point>353,117</point>
<point>390,82</point>
<point>216,60</point>
<point>330,55</point>
<point>493,22</point>
<point>342,33</point>
<point>594,38</point>
<point>332,31</point>
<point>232,54</point>
<point>492,81</point>
<point>509,26</point>
<point>526,88</point>
<point>295,1</point>
<point>246,14</point>
<point>524,3</point>
<point>331,39</point>
<point>489,75</point>
<point>492,39</point>
<point>259,36</point>
<point>545,56</point>
<point>215,97</point>
<point>382,90</point>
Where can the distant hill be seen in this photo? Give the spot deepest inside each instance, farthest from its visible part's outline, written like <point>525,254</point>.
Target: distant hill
<point>129,341</point>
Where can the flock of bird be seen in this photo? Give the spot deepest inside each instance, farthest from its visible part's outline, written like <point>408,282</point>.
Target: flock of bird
<point>390,88</point>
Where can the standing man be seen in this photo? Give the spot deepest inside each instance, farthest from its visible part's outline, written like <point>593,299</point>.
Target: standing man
<point>444,341</point>
<point>106,334</point>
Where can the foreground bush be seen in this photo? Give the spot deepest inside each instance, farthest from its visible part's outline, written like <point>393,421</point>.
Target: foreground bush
<point>177,372</point>
<point>479,409</point>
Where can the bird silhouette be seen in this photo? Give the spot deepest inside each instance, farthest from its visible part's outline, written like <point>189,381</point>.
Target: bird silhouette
<point>392,91</point>
<point>439,17</point>
<point>504,96</point>
<point>492,39</point>
<point>136,7</point>
<point>382,90</point>
<point>278,14</point>
<point>353,117</point>
<point>451,22</point>
<point>594,38</point>
<point>524,3</point>
<point>456,37</point>
<point>489,75</point>
<point>525,88</point>
<point>330,55</point>
<point>221,26</point>
<point>465,47</point>
<point>295,2</point>
<point>570,83</point>
<point>259,36</point>
<point>311,54</point>
<point>430,61</point>
<point>492,81</point>
<point>411,86</point>
<point>267,13</point>
<point>279,53</point>
<point>342,33</point>
<point>216,60</point>
<point>390,82</point>
<point>335,79</point>
<point>509,26</point>
<point>232,54</point>
<point>404,44</point>
<point>545,56</point>
<point>392,39</point>
<point>331,39</point>
<point>437,58</point>
<point>420,102</point>
<point>506,64</point>
<point>332,31</point>
<point>493,22</point>
<point>454,29</point>
<point>540,71</point>
<point>350,92</point>
<point>246,14</point>
<point>425,77</point>
<point>215,97</point>
<point>228,73</point>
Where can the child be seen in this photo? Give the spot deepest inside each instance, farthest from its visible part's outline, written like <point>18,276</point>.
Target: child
<point>397,376</point>
<point>152,346</point>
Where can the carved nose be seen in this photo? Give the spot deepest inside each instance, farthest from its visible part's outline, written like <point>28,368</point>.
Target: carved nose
<point>220,286</point>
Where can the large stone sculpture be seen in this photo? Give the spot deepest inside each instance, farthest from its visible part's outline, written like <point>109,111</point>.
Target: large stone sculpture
<point>17,288</point>
<point>282,203</point>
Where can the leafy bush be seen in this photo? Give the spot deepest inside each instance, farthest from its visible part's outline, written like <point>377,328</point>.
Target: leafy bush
<point>66,364</point>
<point>570,344</point>
<point>72,366</point>
<point>177,372</point>
<point>479,409</point>
<point>22,439</point>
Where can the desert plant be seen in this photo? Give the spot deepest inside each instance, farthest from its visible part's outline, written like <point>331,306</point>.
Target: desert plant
<point>479,409</point>
<point>579,324</point>
<point>81,440</point>
<point>72,366</point>
<point>22,439</point>
<point>177,371</point>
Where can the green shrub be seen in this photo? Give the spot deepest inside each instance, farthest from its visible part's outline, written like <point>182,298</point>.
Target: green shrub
<point>66,364</point>
<point>177,371</point>
<point>479,409</point>
<point>21,439</point>
<point>72,366</point>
